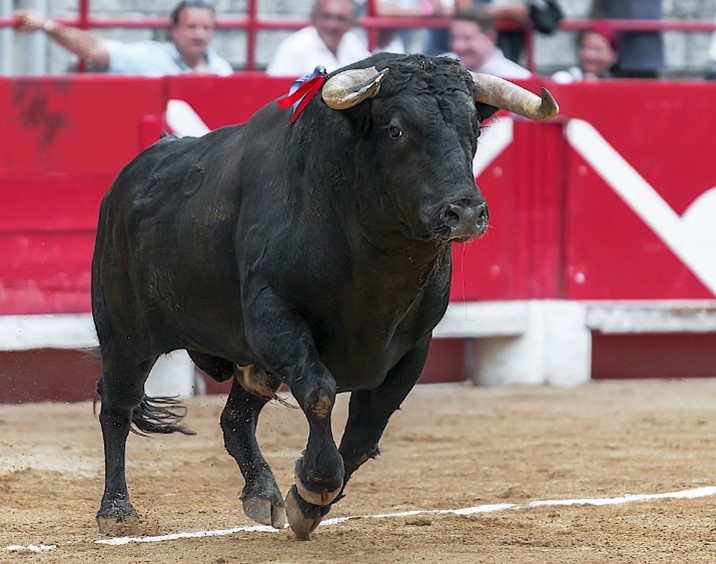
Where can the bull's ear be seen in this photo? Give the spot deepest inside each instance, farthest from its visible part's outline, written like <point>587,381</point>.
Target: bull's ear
<point>360,116</point>
<point>485,111</point>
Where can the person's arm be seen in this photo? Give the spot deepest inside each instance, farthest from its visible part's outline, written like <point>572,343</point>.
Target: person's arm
<point>386,8</point>
<point>78,41</point>
<point>391,9</point>
<point>596,11</point>
<point>518,13</point>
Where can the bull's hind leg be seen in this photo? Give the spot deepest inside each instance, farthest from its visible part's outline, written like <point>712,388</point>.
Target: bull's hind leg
<point>121,388</point>
<point>261,498</point>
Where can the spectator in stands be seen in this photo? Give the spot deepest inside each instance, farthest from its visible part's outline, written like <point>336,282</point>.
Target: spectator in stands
<point>328,41</point>
<point>437,40</point>
<point>401,40</point>
<point>642,52</point>
<point>473,40</point>
<point>597,53</point>
<point>191,30</point>
<point>511,42</point>
<point>711,59</point>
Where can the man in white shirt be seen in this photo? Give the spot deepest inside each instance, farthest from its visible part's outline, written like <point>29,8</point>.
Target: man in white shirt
<point>473,40</point>
<point>711,60</point>
<point>191,31</point>
<point>328,42</point>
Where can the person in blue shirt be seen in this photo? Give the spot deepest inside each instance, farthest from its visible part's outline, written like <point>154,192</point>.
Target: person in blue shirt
<point>642,52</point>
<point>191,31</point>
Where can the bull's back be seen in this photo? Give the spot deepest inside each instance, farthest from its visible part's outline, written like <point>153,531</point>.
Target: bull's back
<point>165,256</point>
<point>164,228</point>
<point>181,182</point>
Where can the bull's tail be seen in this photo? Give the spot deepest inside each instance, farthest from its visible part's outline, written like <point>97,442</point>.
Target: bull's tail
<point>161,415</point>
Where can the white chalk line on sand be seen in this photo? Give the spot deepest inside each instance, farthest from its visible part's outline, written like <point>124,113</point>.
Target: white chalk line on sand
<point>490,508</point>
<point>30,548</point>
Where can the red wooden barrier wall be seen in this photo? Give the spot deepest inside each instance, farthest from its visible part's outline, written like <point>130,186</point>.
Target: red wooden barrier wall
<point>558,229</point>
<point>569,220</point>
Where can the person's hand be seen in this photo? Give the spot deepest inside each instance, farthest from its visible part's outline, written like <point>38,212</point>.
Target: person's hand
<point>30,20</point>
<point>437,8</point>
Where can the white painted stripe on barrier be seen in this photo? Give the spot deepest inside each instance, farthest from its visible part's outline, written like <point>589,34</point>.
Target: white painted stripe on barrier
<point>183,120</point>
<point>494,139</point>
<point>484,319</point>
<point>62,331</point>
<point>489,508</point>
<point>76,331</point>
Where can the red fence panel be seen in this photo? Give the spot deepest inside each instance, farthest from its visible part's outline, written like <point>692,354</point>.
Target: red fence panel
<point>76,124</point>
<point>521,255</point>
<point>640,178</point>
<point>611,202</point>
<point>64,140</point>
<point>226,100</point>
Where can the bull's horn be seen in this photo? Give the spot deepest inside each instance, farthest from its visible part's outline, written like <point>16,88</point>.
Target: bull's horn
<point>501,93</point>
<point>351,87</point>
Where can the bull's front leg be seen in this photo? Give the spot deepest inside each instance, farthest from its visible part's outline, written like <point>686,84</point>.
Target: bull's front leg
<point>370,410</point>
<point>318,474</point>
<point>286,345</point>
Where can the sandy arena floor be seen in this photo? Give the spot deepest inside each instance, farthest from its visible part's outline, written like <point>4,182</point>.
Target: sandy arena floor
<point>450,447</point>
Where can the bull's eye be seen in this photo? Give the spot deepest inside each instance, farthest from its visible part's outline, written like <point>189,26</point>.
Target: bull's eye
<point>394,131</point>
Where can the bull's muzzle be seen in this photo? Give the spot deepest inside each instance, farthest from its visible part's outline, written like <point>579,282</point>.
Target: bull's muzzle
<point>464,220</point>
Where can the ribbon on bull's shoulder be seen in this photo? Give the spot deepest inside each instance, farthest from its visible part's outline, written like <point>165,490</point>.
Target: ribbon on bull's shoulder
<point>302,90</point>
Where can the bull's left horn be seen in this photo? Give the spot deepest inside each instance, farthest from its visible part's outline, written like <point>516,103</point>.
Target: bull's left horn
<point>351,87</point>
<point>501,93</point>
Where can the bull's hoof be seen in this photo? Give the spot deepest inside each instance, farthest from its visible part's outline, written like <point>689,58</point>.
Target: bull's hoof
<point>264,512</point>
<point>324,497</point>
<point>303,517</point>
<point>118,519</point>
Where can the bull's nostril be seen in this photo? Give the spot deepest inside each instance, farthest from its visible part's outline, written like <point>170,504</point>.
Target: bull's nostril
<point>483,214</point>
<point>451,216</point>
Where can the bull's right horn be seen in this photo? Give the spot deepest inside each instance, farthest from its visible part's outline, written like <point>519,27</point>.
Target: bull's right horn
<point>501,93</point>
<point>351,87</point>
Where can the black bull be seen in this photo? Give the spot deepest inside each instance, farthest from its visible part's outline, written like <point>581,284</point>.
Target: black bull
<point>315,254</point>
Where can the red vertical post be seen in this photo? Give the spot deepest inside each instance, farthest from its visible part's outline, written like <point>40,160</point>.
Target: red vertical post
<point>372,33</point>
<point>539,187</point>
<point>83,23</point>
<point>529,36</point>
<point>251,34</point>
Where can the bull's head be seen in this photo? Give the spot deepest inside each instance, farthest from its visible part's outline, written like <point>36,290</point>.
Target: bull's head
<point>433,142</point>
